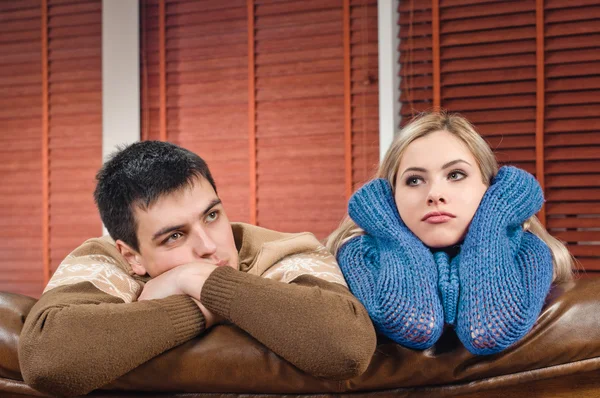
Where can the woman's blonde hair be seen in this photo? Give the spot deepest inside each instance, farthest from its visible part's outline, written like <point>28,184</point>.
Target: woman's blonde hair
<point>457,125</point>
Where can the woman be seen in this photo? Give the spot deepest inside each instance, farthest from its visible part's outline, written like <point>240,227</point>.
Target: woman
<point>442,237</point>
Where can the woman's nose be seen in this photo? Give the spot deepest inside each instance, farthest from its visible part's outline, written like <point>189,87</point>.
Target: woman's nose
<point>435,198</point>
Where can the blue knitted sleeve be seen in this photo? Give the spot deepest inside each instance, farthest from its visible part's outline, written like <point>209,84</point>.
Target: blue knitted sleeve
<point>391,271</point>
<point>505,273</point>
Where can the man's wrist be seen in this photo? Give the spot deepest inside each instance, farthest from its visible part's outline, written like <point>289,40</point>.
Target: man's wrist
<point>220,289</point>
<point>193,277</point>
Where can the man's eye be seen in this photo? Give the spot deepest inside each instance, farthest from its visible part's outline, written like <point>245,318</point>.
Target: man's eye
<point>212,216</point>
<point>173,237</point>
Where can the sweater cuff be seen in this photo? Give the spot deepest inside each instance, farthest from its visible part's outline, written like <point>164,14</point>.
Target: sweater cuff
<point>220,288</point>
<point>186,317</point>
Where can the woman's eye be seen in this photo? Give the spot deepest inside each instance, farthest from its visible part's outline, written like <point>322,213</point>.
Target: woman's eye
<point>456,175</point>
<point>413,181</point>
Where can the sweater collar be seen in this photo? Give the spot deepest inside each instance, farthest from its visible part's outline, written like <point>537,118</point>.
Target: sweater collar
<point>260,248</point>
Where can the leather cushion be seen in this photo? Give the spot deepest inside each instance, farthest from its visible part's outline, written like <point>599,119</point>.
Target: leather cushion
<point>13,310</point>
<point>564,341</point>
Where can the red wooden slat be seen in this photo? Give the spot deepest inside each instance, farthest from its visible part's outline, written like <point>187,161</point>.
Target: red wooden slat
<point>555,4</point>
<point>580,208</point>
<point>571,139</point>
<point>252,112</point>
<point>586,180</point>
<point>572,166</point>
<point>574,222</point>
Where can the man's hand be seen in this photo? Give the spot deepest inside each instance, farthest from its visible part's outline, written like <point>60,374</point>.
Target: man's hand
<point>184,279</point>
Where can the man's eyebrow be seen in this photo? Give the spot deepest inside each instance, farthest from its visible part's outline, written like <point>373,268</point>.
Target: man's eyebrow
<point>211,205</point>
<point>170,228</point>
<point>164,230</point>
<point>445,166</point>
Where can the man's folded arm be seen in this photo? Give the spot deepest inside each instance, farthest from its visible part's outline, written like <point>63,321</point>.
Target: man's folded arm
<point>318,326</point>
<point>77,338</point>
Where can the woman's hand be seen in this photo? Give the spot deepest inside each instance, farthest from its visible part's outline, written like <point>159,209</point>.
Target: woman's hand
<point>373,209</point>
<point>514,195</point>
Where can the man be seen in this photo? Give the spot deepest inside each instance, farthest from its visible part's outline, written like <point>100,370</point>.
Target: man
<point>177,267</point>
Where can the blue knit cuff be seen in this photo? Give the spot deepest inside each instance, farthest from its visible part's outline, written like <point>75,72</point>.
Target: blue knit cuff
<point>373,208</point>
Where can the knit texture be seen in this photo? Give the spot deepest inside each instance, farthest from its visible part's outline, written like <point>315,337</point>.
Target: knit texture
<point>505,273</point>
<point>448,284</point>
<point>391,271</point>
<point>492,291</point>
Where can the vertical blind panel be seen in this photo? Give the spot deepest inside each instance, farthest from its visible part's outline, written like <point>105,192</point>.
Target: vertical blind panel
<point>207,91</point>
<point>300,115</point>
<point>488,73</point>
<point>365,90</point>
<point>75,123</point>
<point>149,71</point>
<point>20,148</point>
<point>416,68</point>
<point>572,142</point>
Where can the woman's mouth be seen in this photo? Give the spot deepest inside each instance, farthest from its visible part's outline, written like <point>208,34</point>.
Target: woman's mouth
<point>438,217</point>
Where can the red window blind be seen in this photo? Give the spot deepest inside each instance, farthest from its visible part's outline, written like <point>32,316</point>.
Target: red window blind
<point>21,148</point>
<point>524,72</point>
<point>50,91</point>
<point>365,91</point>
<point>206,88</point>
<point>257,88</point>
<point>300,115</point>
<point>572,126</point>
<point>75,122</point>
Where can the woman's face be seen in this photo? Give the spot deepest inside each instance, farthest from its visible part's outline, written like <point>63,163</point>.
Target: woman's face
<point>438,189</point>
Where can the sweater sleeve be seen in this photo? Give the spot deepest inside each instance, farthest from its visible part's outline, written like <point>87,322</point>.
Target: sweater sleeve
<point>318,326</point>
<point>77,338</point>
<point>505,273</point>
<point>398,290</point>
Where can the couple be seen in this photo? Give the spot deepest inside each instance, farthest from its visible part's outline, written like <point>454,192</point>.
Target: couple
<point>439,239</point>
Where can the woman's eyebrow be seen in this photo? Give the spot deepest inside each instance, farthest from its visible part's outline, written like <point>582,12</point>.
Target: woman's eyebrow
<point>452,163</point>
<point>445,166</point>
<point>420,169</point>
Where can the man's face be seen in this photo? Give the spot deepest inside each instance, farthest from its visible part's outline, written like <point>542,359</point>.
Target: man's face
<point>185,226</point>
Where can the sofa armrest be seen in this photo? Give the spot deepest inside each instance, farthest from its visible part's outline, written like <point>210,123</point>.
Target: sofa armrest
<point>565,340</point>
<point>13,311</point>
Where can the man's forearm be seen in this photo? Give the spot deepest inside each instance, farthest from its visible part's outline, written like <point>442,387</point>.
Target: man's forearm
<point>74,329</point>
<point>316,325</point>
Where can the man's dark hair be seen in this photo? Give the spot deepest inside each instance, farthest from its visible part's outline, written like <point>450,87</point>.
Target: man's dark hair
<point>138,175</point>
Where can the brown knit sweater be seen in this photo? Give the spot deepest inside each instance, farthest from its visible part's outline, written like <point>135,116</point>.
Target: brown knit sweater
<point>87,329</point>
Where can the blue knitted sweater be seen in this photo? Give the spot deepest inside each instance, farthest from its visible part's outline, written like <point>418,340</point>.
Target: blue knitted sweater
<point>491,292</point>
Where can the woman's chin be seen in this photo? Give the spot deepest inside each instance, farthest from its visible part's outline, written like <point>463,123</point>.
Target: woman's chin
<point>439,244</point>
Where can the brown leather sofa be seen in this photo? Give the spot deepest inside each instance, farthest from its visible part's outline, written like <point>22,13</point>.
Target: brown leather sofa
<point>560,357</point>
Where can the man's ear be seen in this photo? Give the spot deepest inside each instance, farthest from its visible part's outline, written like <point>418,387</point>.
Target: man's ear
<point>133,257</point>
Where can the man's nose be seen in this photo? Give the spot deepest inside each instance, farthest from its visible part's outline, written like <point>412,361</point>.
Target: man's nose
<point>203,245</point>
